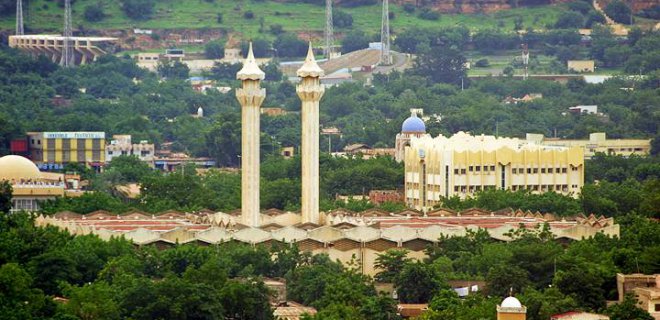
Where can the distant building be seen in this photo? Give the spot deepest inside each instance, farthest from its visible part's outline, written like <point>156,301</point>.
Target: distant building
<point>598,142</point>
<point>292,311</point>
<point>287,152</point>
<point>581,65</point>
<point>649,298</point>
<point>526,98</point>
<point>590,109</point>
<point>411,310</point>
<point>274,112</point>
<point>511,309</point>
<point>53,150</point>
<point>174,54</point>
<point>121,145</point>
<point>579,315</point>
<point>378,197</point>
<point>232,55</point>
<point>461,165</point>
<point>149,57</point>
<point>30,186</point>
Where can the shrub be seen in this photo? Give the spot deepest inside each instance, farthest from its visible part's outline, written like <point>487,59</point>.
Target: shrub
<point>276,29</point>
<point>138,9</point>
<point>214,50</point>
<point>341,19</point>
<point>570,20</point>
<point>409,7</point>
<point>482,63</point>
<point>248,14</point>
<point>218,17</point>
<point>428,14</point>
<point>94,13</point>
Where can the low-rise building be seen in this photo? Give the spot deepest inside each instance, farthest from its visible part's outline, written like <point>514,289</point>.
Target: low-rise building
<point>378,197</point>
<point>121,145</point>
<point>581,65</point>
<point>462,165</point>
<point>586,109</point>
<point>511,309</point>
<point>596,143</point>
<point>53,150</point>
<point>649,298</point>
<point>645,288</point>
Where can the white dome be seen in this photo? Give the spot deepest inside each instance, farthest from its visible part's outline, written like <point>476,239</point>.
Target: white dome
<point>17,167</point>
<point>511,302</point>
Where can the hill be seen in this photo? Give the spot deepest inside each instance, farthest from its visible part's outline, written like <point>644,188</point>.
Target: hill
<point>46,16</point>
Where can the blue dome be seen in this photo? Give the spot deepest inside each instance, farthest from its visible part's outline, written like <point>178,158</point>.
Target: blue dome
<point>413,125</point>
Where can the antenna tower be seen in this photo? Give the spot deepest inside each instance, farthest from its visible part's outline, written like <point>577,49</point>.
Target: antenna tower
<point>525,60</point>
<point>19,18</point>
<point>385,57</point>
<point>67,57</point>
<point>329,29</point>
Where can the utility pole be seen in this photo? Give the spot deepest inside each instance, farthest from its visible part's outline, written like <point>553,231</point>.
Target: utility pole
<point>20,30</point>
<point>385,56</point>
<point>329,30</point>
<point>68,56</point>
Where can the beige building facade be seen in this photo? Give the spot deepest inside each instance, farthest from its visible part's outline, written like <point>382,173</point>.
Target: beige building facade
<point>462,165</point>
<point>596,143</point>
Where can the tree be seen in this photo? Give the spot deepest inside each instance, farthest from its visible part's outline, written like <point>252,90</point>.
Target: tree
<point>619,12</point>
<point>130,167</point>
<point>214,50</point>
<point>354,40</point>
<point>391,263</point>
<point>502,278</point>
<point>289,45</point>
<point>342,19</point>
<point>92,301</point>
<point>627,310</point>
<point>570,20</point>
<point>441,65</point>
<point>173,70</point>
<point>138,9</point>
<point>94,13</point>
<point>18,300</point>
<point>260,47</point>
<point>416,283</point>
<point>5,196</point>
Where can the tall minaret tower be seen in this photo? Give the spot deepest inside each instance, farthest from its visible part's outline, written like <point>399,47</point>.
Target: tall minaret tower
<point>250,96</point>
<point>310,92</point>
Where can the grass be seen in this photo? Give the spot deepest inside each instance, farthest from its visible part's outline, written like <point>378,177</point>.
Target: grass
<point>45,15</point>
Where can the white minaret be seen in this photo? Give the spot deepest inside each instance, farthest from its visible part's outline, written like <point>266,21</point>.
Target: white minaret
<point>250,96</point>
<point>310,92</point>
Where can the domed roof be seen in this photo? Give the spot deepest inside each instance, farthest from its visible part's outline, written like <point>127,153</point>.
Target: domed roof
<point>17,167</point>
<point>511,302</point>
<point>413,125</point>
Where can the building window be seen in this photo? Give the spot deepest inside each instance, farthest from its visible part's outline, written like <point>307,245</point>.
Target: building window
<point>535,170</point>
<point>109,153</point>
<point>477,168</point>
<point>492,168</point>
<point>38,141</point>
<point>463,171</point>
<point>550,170</point>
<point>542,170</point>
<point>123,153</point>
<point>563,170</point>
<point>471,168</point>
<point>529,170</point>
<point>144,153</point>
<point>657,307</point>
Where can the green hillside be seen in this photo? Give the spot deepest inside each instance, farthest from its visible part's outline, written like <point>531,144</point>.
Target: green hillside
<point>194,14</point>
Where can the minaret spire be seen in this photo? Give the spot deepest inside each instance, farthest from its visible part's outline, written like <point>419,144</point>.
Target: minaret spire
<point>250,96</point>
<point>310,90</point>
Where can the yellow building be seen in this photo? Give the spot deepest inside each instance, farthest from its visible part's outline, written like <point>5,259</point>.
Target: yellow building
<point>29,185</point>
<point>54,149</point>
<point>581,65</point>
<point>598,142</point>
<point>511,309</point>
<point>463,165</point>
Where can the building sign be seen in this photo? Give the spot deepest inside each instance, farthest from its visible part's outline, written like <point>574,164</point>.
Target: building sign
<point>74,135</point>
<point>50,166</point>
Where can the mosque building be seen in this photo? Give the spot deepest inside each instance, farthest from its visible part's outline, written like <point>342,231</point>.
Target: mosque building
<point>30,186</point>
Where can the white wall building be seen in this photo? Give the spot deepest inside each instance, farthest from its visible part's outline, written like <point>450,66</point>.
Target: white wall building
<point>121,145</point>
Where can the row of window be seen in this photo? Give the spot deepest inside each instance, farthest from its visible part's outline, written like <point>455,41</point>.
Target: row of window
<point>475,169</point>
<point>143,153</point>
<point>472,189</point>
<point>24,204</point>
<point>543,188</point>
<point>543,170</point>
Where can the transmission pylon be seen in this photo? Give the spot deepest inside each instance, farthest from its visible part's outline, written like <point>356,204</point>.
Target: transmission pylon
<point>329,29</point>
<point>385,56</point>
<point>525,60</point>
<point>67,56</point>
<point>20,30</point>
